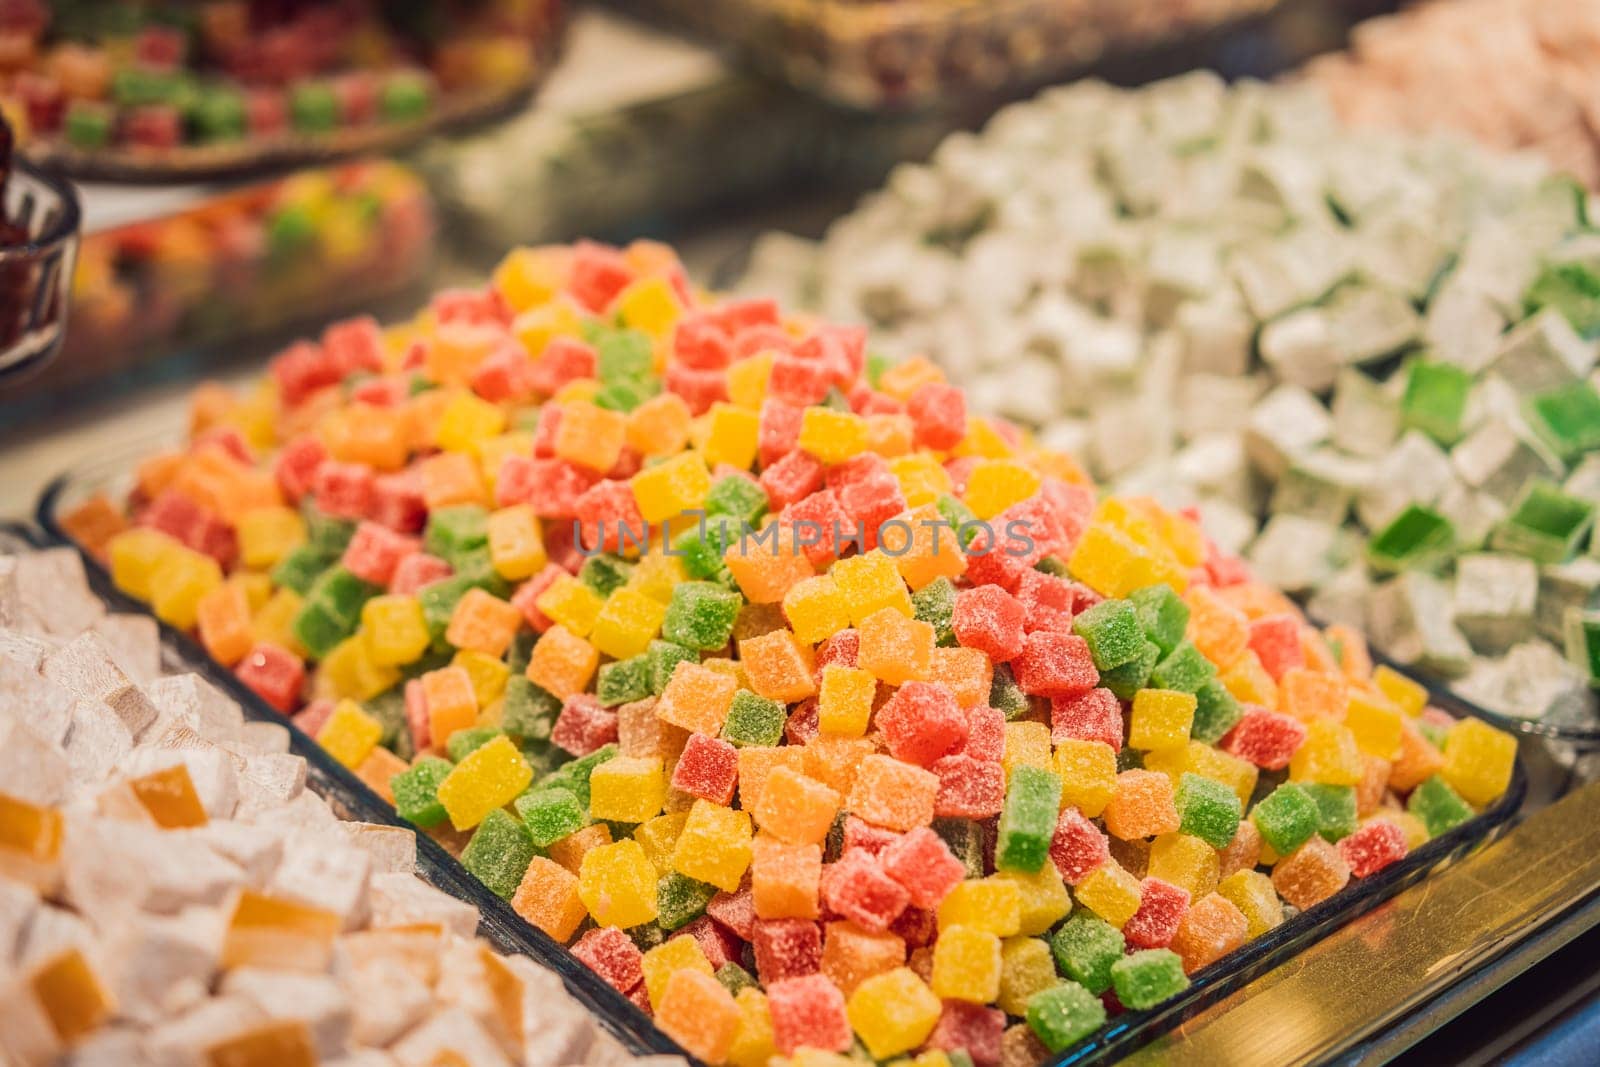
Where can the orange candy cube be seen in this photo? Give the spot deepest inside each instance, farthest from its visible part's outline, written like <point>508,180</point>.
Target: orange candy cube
<point>696,698</point>
<point>223,619</point>
<point>562,662</point>
<point>482,622</point>
<point>778,666</point>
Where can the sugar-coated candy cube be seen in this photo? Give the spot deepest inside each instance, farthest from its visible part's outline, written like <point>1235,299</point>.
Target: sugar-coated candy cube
<point>786,948</point>
<point>349,734</point>
<point>924,865</point>
<point>894,795</point>
<point>701,615</point>
<point>1141,806</point>
<point>548,898</point>
<point>1478,760</point>
<point>1373,847</point>
<point>1055,665</point>
<point>1275,639</point>
<point>990,904</point>
<point>968,788</point>
<point>1094,715</point>
<point>1026,967</point>
<point>714,846</point>
<point>552,813</point>
<point>844,703</point>
<point>779,668</point>
<point>1045,899</point>
<point>487,780</point>
<point>1161,719</point>
<point>1265,738</point>
<point>1207,809</point>
<point>966,964</point>
<point>499,853</point>
<point>808,1012</point>
<point>583,725</point>
<point>611,953</point>
<point>670,957</point>
<point>1336,809</point>
<point>627,789</point>
<point>1162,907</point>
<point>1077,846</point>
<point>794,807</point>
<point>1063,1015</point>
<point>617,883</point>
<point>1213,927</point>
<point>785,879</point>
<point>1144,979</point>
<point>696,698</point>
<point>894,647</point>
<point>708,768</point>
<point>1028,820</point>
<point>921,722</point>
<point>1112,633</point>
<point>1310,874</point>
<point>1286,818</point>
<point>699,1014</point>
<point>857,888</point>
<point>754,720</point>
<point>416,791</point>
<point>991,620</point>
<point>1088,771</point>
<point>1084,948</point>
<point>1253,894</point>
<point>1184,861</point>
<point>680,901</point>
<point>816,608</point>
<point>562,662</point>
<point>1110,892</point>
<point>1216,712</point>
<point>1440,807</point>
<point>851,955</point>
<point>870,583</point>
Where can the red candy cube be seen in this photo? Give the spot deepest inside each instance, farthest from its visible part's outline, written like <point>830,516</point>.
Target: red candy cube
<point>856,888</point>
<point>296,466</point>
<point>583,725</point>
<point>417,570</point>
<point>818,523</point>
<point>939,414</point>
<point>313,717</point>
<point>786,948</point>
<point>969,788</point>
<point>799,381</point>
<point>808,1012</point>
<point>611,953</point>
<point>805,722</point>
<point>738,316</point>
<point>1055,665</point>
<point>708,769</point>
<point>1265,738</point>
<point>993,558</point>
<point>859,834</point>
<point>986,734</point>
<point>551,486</point>
<point>397,501</point>
<point>374,553</point>
<point>1047,601</point>
<point>418,721</point>
<point>300,370</point>
<point>505,374</point>
<point>275,675</point>
<point>344,490</point>
<point>1276,640</point>
<point>736,911</point>
<point>699,388</point>
<point>990,620</point>
<point>703,342</point>
<point>1078,847</point>
<point>1373,847</point>
<point>1092,716</point>
<point>598,274</point>
<point>840,650</point>
<point>1161,908</point>
<point>924,865</point>
<point>922,722</point>
<point>792,479</point>
<point>355,345</point>
<point>778,431</point>
<point>564,360</point>
<point>975,1027</point>
<point>609,518</point>
<point>720,946</point>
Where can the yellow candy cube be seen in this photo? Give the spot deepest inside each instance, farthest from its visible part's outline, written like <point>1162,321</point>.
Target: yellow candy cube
<point>1186,862</point>
<point>273,623</point>
<point>1027,744</point>
<point>571,603</point>
<point>350,734</point>
<point>670,488</point>
<point>1161,719</point>
<point>651,305</point>
<point>870,582</point>
<point>466,420</point>
<point>1026,967</point>
<point>890,435</point>
<point>488,674</point>
<point>1045,900</point>
<point>844,705</point>
<point>893,1012</point>
<point>816,608</point>
<point>395,630</point>
<point>1478,761</point>
<point>1375,723</point>
<point>1198,758</point>
<point>659,836</point>
<point>996,484</point>
<point>753,1043</point>
<point>492,453</point>
<point>516,545</point>
<point>348,670</point>
<point>627,789</point>
<point>1408,695</point>
<point>626,623</point>
<point>180,581</point>
<point>1088,771</point>
<point>1110,892</point>
<point>748,378</point>
<point>990,904</point>
<point>267,534</point>
<point>656,574</point>
<point>714,846</point>
<point>1103,559</point>
<point>667,959</point>
<point>922,478</point>
<point>731,436</point>
<point>530,276</point>
<point>1329,754</point>
<point>832,436</point>
<point>1249,681</point>
<point>491,777</point>
<point>966,964</point>
<point>134,556</point>
<point>1252,893</point>
<point>909,375</point>
<point>538,326</point>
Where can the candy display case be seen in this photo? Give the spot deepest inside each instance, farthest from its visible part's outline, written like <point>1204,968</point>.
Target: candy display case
<point>159,92</point>
<point>904,54</point>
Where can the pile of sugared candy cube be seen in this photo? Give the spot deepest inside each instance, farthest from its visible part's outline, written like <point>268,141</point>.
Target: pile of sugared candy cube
<point>171,892</point>
<point>813,711</point>
<point>1372,360</point>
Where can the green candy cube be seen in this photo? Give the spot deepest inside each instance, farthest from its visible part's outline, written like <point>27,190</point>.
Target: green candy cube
<point>935,604</point>
<point>528,711</point>
<point>624,354</point>
<point>877,364</point>
<point>551,814</point>
<point>464,743</point>
<point>624,681</point>
<point>1005,694</point>
<point>342,595</point>
<point>605,573</point>
<point>1085,947</point>
<point>389,708</point>
<point>1435,400</point>
<point>300,567</point>
<point>664,657</point>
<point>1064,1014</point>
<point>965,839</point>
<point>1417,538</point>
<point>1216,712</point>
<point>1028,820</point>
<point>1572,289</point>
<point>330,534</point>
<point>1126,680</point>
<point>88,124</point>
<point>1184,669</point>
<point>574,775</point>
<point>453,532</point>
<point>313,107</point>
<point>1144,979</point>
<point>1547,525</point>
<point>438,600</point>
<point>734,978</point>
<point>681,900</point>
<point>625,394</point>
<point>1568,419</point>
<point>499,853</point>
<point>521,650</point>
<point>416,791</point>
<point>754,720</point>
<point>737,497</point>
<point>406,96</point>
<point>1111,629</point>
<point>218,115</point>
<point>315,628</point>
<point>1336,809</point>
<point>701,549</point>
<point>960,518</point>
<point>1440,807</point>
<point>1287,817</point>
<point>1207,809</point>
<point>1162,615</point>
<point>701,615</point>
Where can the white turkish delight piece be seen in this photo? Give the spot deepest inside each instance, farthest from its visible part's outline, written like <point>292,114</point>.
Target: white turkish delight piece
<point>98,744</point>
<point>1563,586</point>
<point>256,850</point>
<point>1584,480</point>
<point>55,592</point>
<point>1501,457</point>
<point>18,903</point>
<point>135,643</point>
<point>1216,333</point>
<point>1322,485</point>
<point>1229,526</point>
<point>1066,435</point>
<point>1288,422</point>
<point>160,965</point>
<point>53,931</point>
<point>1182,266</point>
<point>1366,417</point>
<point>110,1046</point>
<point>1300,348</point>
<point>1543,352</point>
<point>392,848</point>
<point>1027,391</point>
<point>27,1035</point>
<point>31,767</point>
<point>86,666</point>
<point>1494,599</point>
<point>265,738</point>
<point>269,781</point>
<point>1400,251</point>
<point>27,650</point>
<point>1417,471</point>
<point>113,868</point>
<point>1212,403</point>
<point>1216,466</point>
<point>187,1039</point>
<point>194,702</point>
<point>389,976</point>
<point>1296,554</point>
<point>1368,322</point>
<point>403,900</point>
<point>323,872</point>
<point>1473,515</point>
<point>1286,271</point>
<point>1529,682</point>
<point>26,694</point>
<point>555,1028</point>
<point>1127,434</point>
<point>1410,618</point>
<point>451,1035</point>
<point>1463,326</point>
<point>364,1057</point>
<point>316,1000</point>
<point>214,773</point>
<point>1342,598</point>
